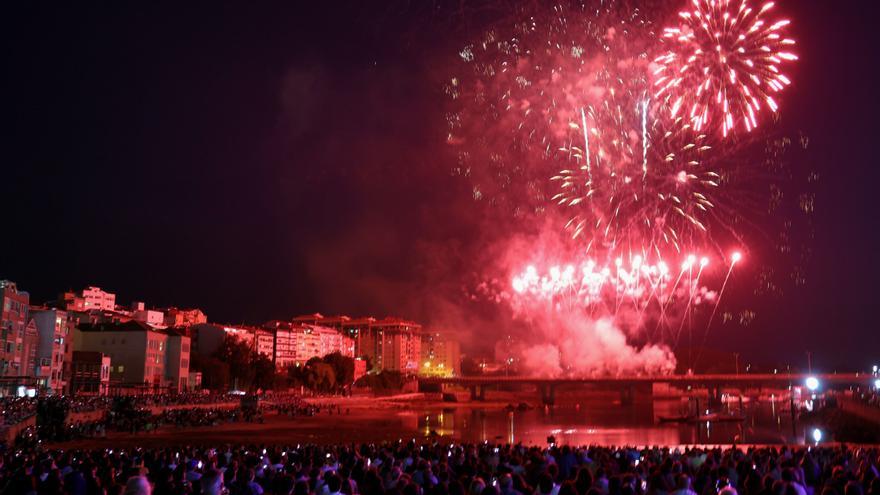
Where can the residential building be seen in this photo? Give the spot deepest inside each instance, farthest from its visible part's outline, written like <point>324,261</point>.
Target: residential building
<point>13,328</point>
<point>99,316</point>
<point>285,346</point>
<point>195,380</point>
<point>296,343</point>
<point>175,317</point>
<point>359,330</point>
<point>30,345</point>
<point>95,298</point>
<point>149,316</point>
<point>177,356</point>
<point>90,373</point>
<point>264,342</point>
<point>72,301</point>
<point>143,357</point>
<point>54,353</point>
<point>336,322</point>
<point>208,337</point>
<point>391,343</point>
<point>441,355</point>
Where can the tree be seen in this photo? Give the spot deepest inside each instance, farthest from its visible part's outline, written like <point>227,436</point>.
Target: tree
<point>264,372</point>
<point>239,357</point>
<point>296,375</point>
<point>330,374</point>
<point>215,373</point>
<point>343,366</point>
<point>383,382</point>
<point>321,377</point>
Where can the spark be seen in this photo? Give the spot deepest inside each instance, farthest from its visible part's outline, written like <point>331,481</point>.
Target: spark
<point>590,284</point>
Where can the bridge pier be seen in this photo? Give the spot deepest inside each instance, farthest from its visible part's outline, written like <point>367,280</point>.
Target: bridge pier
<point>478,392</point>
<point>548,394</point>
<point>633,393</point>
<point>715,397</point>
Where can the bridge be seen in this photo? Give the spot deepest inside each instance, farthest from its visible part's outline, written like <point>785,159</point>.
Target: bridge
<point>630,386</point>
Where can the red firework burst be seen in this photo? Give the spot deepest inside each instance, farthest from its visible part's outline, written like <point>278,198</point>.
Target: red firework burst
<point>723,64</point>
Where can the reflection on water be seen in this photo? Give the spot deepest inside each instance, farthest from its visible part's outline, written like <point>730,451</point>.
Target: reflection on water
<point>602,421</point>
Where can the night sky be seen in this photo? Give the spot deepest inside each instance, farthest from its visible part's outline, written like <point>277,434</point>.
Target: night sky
<point>263,163</point>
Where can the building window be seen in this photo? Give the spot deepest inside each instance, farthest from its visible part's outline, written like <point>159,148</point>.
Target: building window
<point>121,368</point>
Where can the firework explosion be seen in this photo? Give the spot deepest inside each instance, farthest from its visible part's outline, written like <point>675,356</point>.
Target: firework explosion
<point>592,285</point>
<point>594,113</point>
<point>723,65</point>
<point>653,196</point>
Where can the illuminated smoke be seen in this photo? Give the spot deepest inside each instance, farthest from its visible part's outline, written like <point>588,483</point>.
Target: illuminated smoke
<point>575,345</point>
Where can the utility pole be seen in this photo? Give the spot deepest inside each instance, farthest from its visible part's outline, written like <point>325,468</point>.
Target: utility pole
<point>809,362</point>
<point>736,358</point>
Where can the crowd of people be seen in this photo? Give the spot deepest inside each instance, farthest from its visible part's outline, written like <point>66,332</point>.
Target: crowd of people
<point>206,416</point>
<point>291,406</point>
<point>186,399</point>
<point>130,415</point>
<point>294,406</point>
<point>144,414</point>
<point>869,397</point>
<point>13,410</point>
<point>408,468</point>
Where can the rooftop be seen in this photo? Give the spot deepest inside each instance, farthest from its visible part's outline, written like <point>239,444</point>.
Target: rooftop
<point>128,326</point>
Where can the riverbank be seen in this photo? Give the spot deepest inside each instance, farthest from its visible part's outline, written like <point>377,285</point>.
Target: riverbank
<point>593,418</point>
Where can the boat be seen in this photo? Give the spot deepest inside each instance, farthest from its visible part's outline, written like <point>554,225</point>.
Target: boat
<point>721,418</point>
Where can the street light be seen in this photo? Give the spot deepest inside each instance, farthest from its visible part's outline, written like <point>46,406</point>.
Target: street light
<point>817,435</point>
<point>877,384</point>
<point>812,383</point>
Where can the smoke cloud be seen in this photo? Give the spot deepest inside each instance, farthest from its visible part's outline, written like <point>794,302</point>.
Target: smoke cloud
<point>551,339</point>
<point>580,346</point>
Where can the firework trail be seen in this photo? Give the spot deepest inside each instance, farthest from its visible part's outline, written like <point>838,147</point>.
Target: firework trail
<point>623,128</point>
<point>654,195</point>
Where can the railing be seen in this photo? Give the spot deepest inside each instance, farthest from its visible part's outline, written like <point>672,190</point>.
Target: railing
<point>776,378</point>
